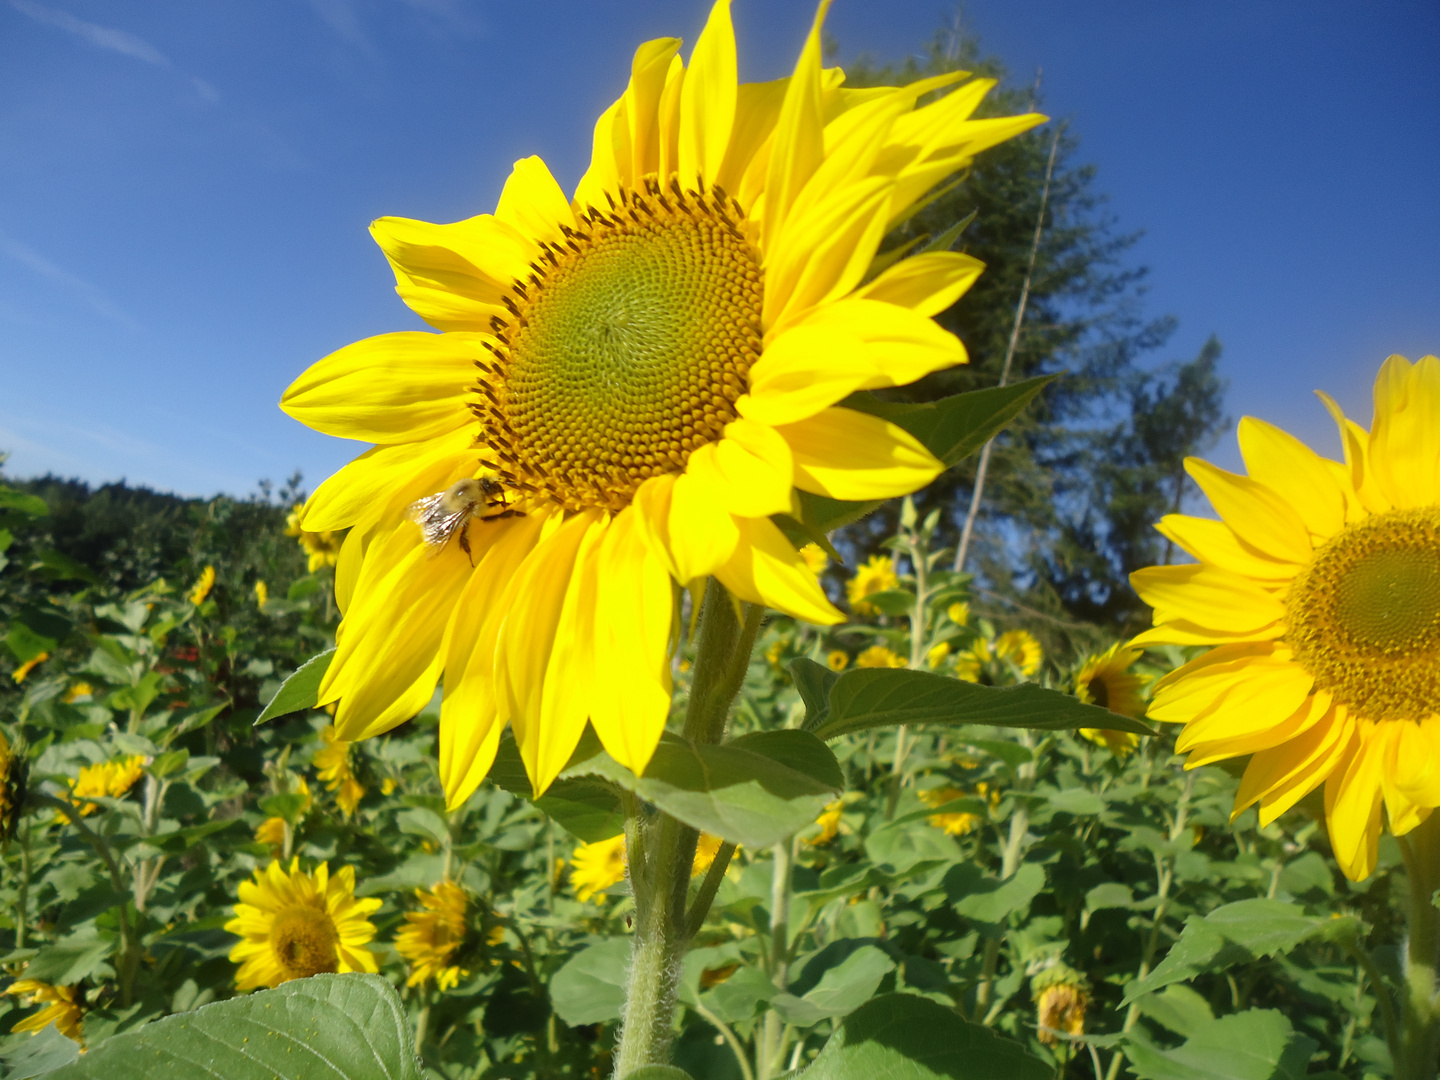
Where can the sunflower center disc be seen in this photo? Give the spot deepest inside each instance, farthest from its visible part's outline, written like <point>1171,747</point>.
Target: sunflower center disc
<point>1364,617</point>
<point>304,939</point>
<point>627,348</point>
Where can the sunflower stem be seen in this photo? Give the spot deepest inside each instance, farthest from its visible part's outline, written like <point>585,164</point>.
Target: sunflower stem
<point>661,850</point>
<point>1419,1047</point>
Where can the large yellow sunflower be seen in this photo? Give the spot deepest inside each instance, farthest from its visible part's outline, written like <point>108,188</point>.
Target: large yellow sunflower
<point>627,385</point>
<point>1320,590</point>
<point>294,924</point>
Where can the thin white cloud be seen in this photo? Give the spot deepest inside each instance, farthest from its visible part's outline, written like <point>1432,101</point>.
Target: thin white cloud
<point>102,37</point>
<point>43,267</point>
<point>341,16</point>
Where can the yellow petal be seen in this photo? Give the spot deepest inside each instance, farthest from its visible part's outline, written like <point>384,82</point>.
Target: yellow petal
<point>611,146</point>
<point>1352,806</point>
<point>1404,450</point>
<point>454,276</point>
<point>469,731</point>
<point>1207,596</point>
<point>1215,543</point>
<point>1259,516</point>
<point>799,141</point>
<point>1225,731</point>
<point>1355,442</point>
<point>651,507</point>
<point>707,100</point>
<point>751,469</point>
<point>1412,767</point>
<point>1280,777</point>
<point>1296,473</point>
<point>926,284</point>
<point>667,118</point>
<point>400,473</point>
<point>649,72</point>
<point>528,635</point>
<point>1184,632</point>
<point>847,454</point>
<point>766,569</point>
<point>757,107</point>
<point>388,661</point>
<point>533,203</point>
<point>1195,687</point>
<point>633,611</point>
<point>392,388</point>
<point>701,533</point>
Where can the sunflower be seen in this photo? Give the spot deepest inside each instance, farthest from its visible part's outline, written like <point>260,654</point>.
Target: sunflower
<point>296,924</point>
<point>627,385</point>
<point>110,779</point>
<point>959,823</point>
<point>436,939</point>
<point>1061,999</point>
<point>1021,649</point>
<point>201,589</point>
<point>880,656</point>
<point>874,576</point>
<point>21,673</point>
<point>321,548</point>
<point>837,659</point>
<point>332,764</point>
<point>595,867</point>
<point>829,822</point>
<point>1105,679</point>
<point>1319,590</point>
<point>13,777</point>
<point>61,1008</point>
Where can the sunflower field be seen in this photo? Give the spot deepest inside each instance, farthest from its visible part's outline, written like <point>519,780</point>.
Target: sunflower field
<point>580,728</point>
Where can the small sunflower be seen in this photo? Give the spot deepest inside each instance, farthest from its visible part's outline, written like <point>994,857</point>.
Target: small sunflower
<point>1105,679</point>
<point>110,779</point>
<point>13,781</point>
<point>332,764</point>
<point>322,548</point>
<point>1319,592</point>
<point>595,867</point>
<point>628,384</point>
<point>1021,649</point>
<point>1061,999</point>
<point>959,823</point>
<point>271,831</point>
<point>440,940</point>
<point>959,613</point>
<point>21,673</point>
<point>829,822</point>
<point>877,575</point>
<point>61,1008</point>
<point>837,659</point>
<point>879,656</point>
<point>294,924</point>
<point>815,559</point>
<point>201,589</point>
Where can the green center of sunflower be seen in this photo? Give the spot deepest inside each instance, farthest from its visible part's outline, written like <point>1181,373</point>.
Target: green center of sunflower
<point>304,941</point>
<point>1364,616</point>
<point>626,348</point>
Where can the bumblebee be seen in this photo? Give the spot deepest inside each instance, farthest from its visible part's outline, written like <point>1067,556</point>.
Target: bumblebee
<point>448,512</point>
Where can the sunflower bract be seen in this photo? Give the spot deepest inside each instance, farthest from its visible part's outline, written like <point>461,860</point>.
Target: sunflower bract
<point>642,373</point>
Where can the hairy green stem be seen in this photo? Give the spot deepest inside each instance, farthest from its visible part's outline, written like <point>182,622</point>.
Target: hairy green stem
<point>1419,1035</point>
<point>771,1048</point>
<point>660,850</point>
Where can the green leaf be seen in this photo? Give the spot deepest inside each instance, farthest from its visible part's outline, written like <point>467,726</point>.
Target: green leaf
<point>54,566</point>
<point>1258,1044</point>
<point>328,1027</point>
<point>904,1037</point>
<point>21,503</point>
<point>47,1050</point>
<point>883,697</point>
<point>196,720</point>
<point>585,807</point>
<point>72,958</point>
<point>1237,933</point>
<point>1177,1008</point>
<point>300,691</point>
<point>840,991</point>
<point>25,644</point>
<point>1112,894</point>
<point>740,996</point>
<point>756,790</point>
<point>900,847</point>
<point>988,899</point>
<point>590,987</point>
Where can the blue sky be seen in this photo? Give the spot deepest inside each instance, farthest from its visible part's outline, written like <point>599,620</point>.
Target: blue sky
<point>185,187</point>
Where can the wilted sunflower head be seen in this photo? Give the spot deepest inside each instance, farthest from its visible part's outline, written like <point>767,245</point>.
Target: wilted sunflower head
<point>630,381</point>
<point>1319,592</point>
<point>14,773</point>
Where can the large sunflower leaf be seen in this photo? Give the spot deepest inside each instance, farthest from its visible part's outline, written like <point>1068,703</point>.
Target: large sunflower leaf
<point>842,703</point>
<point>589,988</point>
<point>1258,1044</point>
<point>329,1027</point>
<point>952,429</point>
<point>301,690</point>
<point>755,790</point>
<point>905,1037</point>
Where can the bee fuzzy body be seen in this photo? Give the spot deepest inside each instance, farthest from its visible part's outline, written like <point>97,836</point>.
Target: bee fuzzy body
<point>446,513</point>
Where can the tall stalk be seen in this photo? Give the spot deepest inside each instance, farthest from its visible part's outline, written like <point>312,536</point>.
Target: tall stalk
<point>660,850</point>
<point>1419,1034</point>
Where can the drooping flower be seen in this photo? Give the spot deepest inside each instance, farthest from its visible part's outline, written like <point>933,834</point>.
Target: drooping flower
<point>1319,590</point>
<point>294,924</point>
<point>595,867</point>
<point>61,1008</point>
<point>201,589</point>
<point>1060,1003</point>
<point>110,779</point>
<point>627,385</point>
<point>1105,679</point>
<point>332,764</point>
<point>437,938</point>
<point>23,671</point>
<point>321,548</point>
<point>871,577</point>
<point>879,656</point>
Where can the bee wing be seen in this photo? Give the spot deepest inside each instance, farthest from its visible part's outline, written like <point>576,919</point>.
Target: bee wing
<point>437,529</point>
<point>422,509</point>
